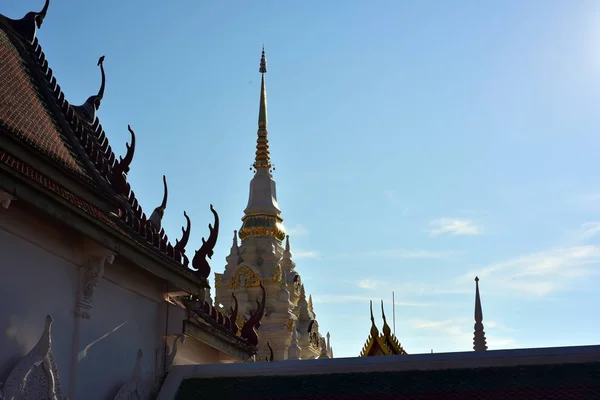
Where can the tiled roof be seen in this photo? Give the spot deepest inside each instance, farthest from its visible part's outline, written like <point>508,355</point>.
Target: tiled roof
<point>23,112</point>
<point>533,382</point>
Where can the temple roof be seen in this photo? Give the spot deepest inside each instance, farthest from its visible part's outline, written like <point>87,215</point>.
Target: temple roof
<point>384,344</point>
<point>40,130</point>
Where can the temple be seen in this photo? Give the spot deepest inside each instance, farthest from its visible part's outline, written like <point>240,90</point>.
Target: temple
<point>264,257</point>
<point>384,344</point>
<point>97,301</point>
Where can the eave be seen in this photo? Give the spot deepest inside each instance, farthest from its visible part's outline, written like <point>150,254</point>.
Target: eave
<point>47,201</point>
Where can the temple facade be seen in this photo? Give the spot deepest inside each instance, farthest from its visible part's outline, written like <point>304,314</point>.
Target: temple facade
<point>97,301</point>
<point>264,257</point>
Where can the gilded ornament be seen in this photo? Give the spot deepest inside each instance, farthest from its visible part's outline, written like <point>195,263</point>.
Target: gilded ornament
<point>289,324</point>
<point>218,280</point>
<point>244,277</point>
<point>277,274</point>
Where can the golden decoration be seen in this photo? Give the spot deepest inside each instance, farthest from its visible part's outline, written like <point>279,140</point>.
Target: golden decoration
<point>218,280</point>
<point>262,225</point>
<point>289,324</point>
<point>240,321</point>
<point>277,274</point>
<point>250,278</point>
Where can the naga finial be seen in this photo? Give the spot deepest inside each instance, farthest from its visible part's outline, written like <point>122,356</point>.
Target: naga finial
<point>121,167</point>
<point>199,261</point>
<point>159,212</point>
<point>253,323</point>
<point>271,356</point>
<point>386,328</point>
<point>180,244</point>
<point>88,109</point>
<point>234,314</point>
<point>27,25</point>
<point>374,330</point>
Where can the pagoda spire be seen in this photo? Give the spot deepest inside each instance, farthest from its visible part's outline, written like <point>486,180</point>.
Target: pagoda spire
<point>262,214</point>
<point>479,342</point>
<point>263,158</point>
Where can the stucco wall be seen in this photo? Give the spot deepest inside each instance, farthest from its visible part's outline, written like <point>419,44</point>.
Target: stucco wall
<point>40,266</point>
<point>34,283</point>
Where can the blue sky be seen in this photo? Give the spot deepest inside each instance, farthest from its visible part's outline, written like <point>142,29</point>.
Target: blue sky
<point>416,144</point>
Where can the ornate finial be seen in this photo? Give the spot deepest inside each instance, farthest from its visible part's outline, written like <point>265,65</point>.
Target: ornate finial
<point>199,261</point>
<point>234,314</point>
<point>180,244</point>
<point>88,109</point>
<point>249,330</point>
<point>263,62</point>
<point>479,341</point>
<point>287,243</point>
<point>262,159</point>
<point>27,25</point>
<point>386,328</point>
<point>374,330</point>
<point>121,167</point>
<point>159,212</point>
<point>310,304</point>
<point>271,357</point>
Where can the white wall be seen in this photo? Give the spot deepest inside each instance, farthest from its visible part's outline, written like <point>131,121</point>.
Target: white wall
<point>34,283</point>
<point>39,275</point>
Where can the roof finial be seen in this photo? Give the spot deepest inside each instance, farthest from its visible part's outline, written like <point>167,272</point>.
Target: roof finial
<point>262,159</point>
<point>27,25</point>
<point>159,212</point>
<point>479,342</point>
<point>374,330</point>
<point>92,104</point>
<point>386,328</point>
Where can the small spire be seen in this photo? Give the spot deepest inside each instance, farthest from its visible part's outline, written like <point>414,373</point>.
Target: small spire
<point>329,343</point>
<point>262,159</point>
<point>234,253</point>
<point>310,304</point>
<point>374,330</point>
<point>294,351</point>
<point>479,341</point>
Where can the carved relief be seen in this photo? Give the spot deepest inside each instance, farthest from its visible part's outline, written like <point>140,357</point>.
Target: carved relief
<point>243,277</point>
<point>5,199</point>
<point>134,388</point>
<point>314,339</point>
<point>36,375</point>
<point>90,275</point>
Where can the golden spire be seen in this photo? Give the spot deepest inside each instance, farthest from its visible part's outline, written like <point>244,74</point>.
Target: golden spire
<point>263,159</point>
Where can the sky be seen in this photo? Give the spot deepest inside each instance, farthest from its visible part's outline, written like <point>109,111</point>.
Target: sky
<point>417,144</point>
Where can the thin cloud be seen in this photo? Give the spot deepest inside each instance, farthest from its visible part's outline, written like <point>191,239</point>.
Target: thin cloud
<point>458,332</point>
<point>367,284</point>
<point>454,226</point>
<point>539,274</point>
<point>344,299</point>
<point>406,253</point>
<point>306,254</point>
<point>298,230</point>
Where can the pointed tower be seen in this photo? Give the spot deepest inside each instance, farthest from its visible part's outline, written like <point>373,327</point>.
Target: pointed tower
<point>479,342</point>
<point>262,258</point>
